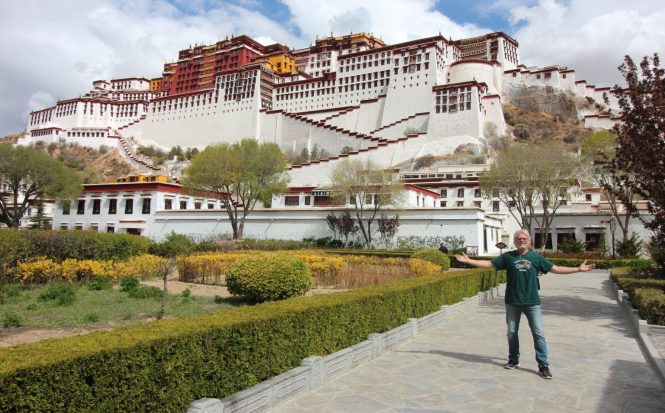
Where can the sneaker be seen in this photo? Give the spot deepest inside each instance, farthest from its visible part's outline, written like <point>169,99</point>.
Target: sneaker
<point>544,372</point>
<point>511,365</point>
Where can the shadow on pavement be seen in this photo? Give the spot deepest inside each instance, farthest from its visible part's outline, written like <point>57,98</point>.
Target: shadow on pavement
<point>630,388</point>
<point>471,358</point>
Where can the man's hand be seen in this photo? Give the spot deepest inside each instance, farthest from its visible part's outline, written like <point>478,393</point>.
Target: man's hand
<point>586,267</point>
<point>462,257</point>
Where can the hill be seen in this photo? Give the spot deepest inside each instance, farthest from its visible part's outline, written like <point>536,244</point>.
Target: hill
<point>93,165</point>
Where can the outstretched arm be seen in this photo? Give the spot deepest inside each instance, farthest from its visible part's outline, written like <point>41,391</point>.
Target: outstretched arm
<point>462,257</point>
<point>584,267</point>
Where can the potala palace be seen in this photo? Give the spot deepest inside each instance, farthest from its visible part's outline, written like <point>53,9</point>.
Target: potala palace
<point>352,96</point>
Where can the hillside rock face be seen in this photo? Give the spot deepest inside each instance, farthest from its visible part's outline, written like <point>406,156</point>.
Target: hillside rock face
<point>561,105</point>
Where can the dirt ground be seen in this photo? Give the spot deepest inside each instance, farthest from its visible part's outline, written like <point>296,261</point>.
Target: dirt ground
<point>14,336</point>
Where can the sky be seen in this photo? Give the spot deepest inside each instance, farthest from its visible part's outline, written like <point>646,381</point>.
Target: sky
<point>54,49</point>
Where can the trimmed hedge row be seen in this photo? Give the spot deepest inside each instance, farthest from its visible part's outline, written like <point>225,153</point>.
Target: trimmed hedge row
<point>629,285</point>
<point>603,264</point>
<point>62,244</point>
<point>380,253</point>
<point>165,365</point>
<point>650,303</point>
<point>646,294</point>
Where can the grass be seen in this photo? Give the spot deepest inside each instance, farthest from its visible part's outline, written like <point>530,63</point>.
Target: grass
<point>94,307</point>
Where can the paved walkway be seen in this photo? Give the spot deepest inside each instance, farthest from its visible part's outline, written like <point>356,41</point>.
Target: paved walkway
<point>595,359</point>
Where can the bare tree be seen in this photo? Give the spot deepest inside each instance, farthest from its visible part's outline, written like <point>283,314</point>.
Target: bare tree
<point>368,188</point>
<point>533,181</point>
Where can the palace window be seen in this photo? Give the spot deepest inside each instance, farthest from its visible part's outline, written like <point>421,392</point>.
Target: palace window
<point>145,209</point>
<point>96,206</point>
<point>113,205</point>
<point>129,206</point>
<point>80,207</point>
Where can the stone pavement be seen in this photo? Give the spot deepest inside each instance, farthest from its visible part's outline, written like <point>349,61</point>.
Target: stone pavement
<point>457,366</point>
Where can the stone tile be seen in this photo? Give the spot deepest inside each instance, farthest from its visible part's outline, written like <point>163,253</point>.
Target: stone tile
<point>456,366</point>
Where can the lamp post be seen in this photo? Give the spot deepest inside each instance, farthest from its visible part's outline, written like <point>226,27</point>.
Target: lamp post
<point>613,227</point>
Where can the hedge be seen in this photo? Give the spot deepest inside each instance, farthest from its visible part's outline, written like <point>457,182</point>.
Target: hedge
<point>650,303</point>
<point>62,244</point>
<point>165,365</point>
<point>380,253</point>
<point>630,284</point>
<point>603,264</point>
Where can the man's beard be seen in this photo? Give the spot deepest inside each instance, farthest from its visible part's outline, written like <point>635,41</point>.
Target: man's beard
<point>523,246</point>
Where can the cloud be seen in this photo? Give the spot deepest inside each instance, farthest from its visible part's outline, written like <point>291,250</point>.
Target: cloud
<point>66,45</point>
<point>590,37</point>
<point>392,20</point>
<point>54,50</point>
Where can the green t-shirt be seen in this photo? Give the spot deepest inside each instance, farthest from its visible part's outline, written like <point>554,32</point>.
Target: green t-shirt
<point>522,271</point>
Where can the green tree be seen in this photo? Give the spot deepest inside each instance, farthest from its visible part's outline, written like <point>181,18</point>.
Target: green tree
<point>243,173</point>
<point>599,153</point>
<point>368,188</point>
<point>533,180</point>
<point>511,180</point>
<point>640,160</point>
<point>28,175</point>
<point>40,220</point>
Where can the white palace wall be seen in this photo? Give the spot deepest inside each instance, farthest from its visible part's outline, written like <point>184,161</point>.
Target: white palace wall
<point>201,126</point>
<point>418,122</point>
<point>480,71</point>
<point>296,224</point>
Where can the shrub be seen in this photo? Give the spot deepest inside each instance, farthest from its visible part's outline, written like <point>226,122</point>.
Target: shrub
<point>14,248</point>
<point>629,247</point>
<point>419,266</point>
<point>60,245</point>
<point>268,277</point>
<point>143,267</point>
<point>657,252</point>
<point>61,294</point>
<point>650,303</point>
<point>571,245</point>
<point>10,319</point>
<point>175,245</point>
<point>120,246</point>
<point>100,282</point>
<point>273,244</point>
<point>434,256</point>
<point>206,268</point>
<point>41,270</point>
<point>323,266</point>
<point>143,292</point>
<point>84,270</point>
<point>129,283</point>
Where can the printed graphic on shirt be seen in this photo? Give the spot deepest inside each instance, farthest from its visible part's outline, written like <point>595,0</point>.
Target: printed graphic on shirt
<point>523,265</point>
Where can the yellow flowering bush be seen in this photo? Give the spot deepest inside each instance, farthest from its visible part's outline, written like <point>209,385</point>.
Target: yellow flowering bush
<point>320,265</point>
<point>206,268</point>
<point>40,270</point>
<point>143,267</point>
<point>422,267</point>
<point>83,270</point>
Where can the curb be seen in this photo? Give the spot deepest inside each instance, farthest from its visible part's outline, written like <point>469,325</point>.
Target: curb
<point>317,370</point>
<point>642,330</point>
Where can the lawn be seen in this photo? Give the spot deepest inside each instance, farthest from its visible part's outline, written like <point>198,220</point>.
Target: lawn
<point>23,307</point>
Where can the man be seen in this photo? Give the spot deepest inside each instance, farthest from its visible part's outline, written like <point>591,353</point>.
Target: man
<point>522,267</point>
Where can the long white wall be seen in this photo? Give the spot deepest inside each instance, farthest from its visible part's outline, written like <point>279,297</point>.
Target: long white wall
<point>471,223</point>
